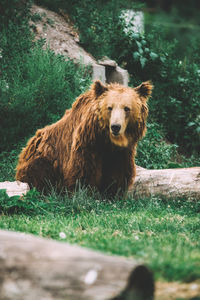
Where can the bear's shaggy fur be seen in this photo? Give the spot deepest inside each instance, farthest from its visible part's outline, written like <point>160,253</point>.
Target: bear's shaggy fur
<point>94,143</point>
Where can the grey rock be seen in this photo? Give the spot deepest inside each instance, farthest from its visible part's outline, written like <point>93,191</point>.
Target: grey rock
<point>62,39</point>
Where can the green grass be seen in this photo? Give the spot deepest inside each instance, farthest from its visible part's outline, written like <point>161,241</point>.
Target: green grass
<point>162,233</point>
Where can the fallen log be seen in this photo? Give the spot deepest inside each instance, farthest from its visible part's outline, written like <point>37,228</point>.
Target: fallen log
<point>14,188</point>
<point>170,183</point>
<point>35,268</point>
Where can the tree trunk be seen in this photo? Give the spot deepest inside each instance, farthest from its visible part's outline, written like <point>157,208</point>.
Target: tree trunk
<point>170,183</point>
<point>34,268</point>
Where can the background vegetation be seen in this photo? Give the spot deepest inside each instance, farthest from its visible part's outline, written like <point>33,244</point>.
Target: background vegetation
<point>36,86</point>
<point>166,53</point>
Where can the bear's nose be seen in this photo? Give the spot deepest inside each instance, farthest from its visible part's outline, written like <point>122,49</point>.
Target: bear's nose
<point>115,128</point>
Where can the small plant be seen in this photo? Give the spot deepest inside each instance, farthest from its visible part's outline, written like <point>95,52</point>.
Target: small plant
<point>17,204</point>
<point>36,17</point>
<point>50,21</point>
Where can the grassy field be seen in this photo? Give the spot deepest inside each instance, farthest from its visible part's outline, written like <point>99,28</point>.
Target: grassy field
<point>164,234</point>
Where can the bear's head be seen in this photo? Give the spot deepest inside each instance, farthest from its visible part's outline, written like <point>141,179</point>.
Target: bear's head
<point>122,111</point>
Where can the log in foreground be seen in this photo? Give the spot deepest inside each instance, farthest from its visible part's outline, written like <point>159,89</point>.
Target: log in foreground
<point>182,182</point>
<point>35,268</point>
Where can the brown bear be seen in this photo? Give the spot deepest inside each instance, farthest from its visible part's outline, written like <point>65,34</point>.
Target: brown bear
<point>94,143</point>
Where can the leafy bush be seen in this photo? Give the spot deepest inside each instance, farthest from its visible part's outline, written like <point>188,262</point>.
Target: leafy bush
<point>15,11</point>
<point>176,106</point>
<point>36,86</point>
<point>153,152</point>
<point>8,162</point>
<point>39,87</point>
<point>175,103</point>
<point>17,204</point>
<point>15,34</point>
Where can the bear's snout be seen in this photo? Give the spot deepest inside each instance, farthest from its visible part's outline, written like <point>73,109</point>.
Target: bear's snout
<point>115,129</point>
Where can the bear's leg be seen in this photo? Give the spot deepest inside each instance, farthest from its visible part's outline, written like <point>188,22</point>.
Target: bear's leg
<point>39,173</point>
<point>118,172</point>
<point>84,168</point>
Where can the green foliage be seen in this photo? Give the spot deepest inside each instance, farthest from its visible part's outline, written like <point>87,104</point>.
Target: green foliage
<point>8,162</point>
<point>153,152</point>
<point>96,24</point>
<point>36,17</point>
<point>163,234</point>
<point>17,204</point>
<point>15,11</point>
<point>35,91</point>
<point>175,102</point>
<point>15,35</point>
<point>36,86</point>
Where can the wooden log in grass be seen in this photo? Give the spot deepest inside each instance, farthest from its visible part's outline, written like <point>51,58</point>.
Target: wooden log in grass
<point>37,268</point>
<point>170,183</point>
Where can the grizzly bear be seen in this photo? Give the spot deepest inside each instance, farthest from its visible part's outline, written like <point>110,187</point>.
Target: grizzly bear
<point>94,143</point>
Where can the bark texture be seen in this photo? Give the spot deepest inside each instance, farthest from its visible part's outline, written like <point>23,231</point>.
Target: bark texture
<point>15,188</point>
<point>182,182</point>
<point>35,268</point>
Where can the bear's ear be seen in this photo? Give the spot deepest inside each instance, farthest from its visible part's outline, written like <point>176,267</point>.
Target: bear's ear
<point>99,88</point>
<point>145,89</point>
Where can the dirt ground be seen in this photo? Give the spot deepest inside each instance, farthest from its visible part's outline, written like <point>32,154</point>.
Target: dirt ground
<point>59,34</point>
<point>176,290</point>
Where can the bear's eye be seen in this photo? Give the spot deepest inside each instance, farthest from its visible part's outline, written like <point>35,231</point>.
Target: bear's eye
<point>109,108</point>
<point>126,108</point>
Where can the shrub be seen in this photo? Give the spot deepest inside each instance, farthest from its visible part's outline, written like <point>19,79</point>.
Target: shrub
<point>40,86</point>
<point>15,11</point>
<point>175,103</point>
<point>36,86</point>
<point>15,34</point>
<point>153,152</point>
